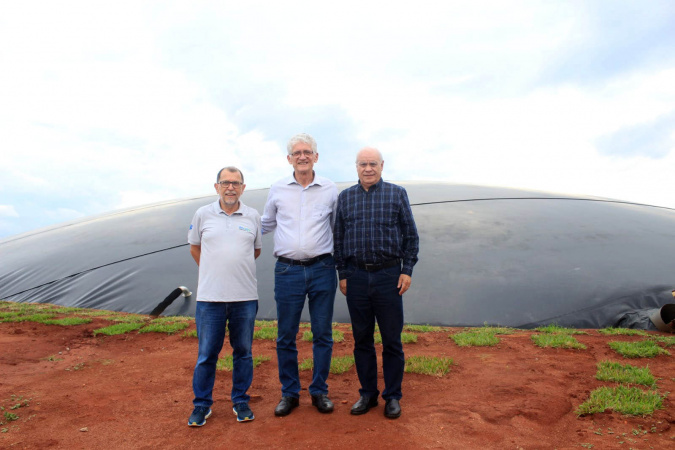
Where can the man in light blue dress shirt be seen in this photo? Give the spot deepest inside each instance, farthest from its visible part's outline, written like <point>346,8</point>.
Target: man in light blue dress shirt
<point>300,209</point>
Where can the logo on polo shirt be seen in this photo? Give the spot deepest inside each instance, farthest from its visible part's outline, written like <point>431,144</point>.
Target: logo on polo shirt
<point>242,228</point>
<point>190,226</point>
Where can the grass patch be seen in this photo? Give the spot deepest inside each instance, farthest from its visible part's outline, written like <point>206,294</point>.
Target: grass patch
<point>171,319</point>
<point>427,365</point>
<point>38,317</point>
<point>406,338</point>
<point>67,310</point>
<point>476,338</point>
<point>625,400</point>
<point>164,327</point>
<point>613,371</point>
<point>338,336</point>
<point>190,333</point>
<point>338,364</point>
<point>68,321</point>
<point>119,328</point>
<point>268,333</point>
<point>557,341</point>
<point>622,331</point>
<point>421,328</point>
<point>126,318</point>
<point>98,313</point>
<point>305,325</point>
<point>265,323</point>
<point>638,349</point>
<point>668,341</point>
<point>556,329</point>
<point>226,363</point>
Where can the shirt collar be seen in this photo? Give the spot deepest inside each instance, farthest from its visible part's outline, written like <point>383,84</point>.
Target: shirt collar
<point>376,186</point>
<point>219,210</point>
<point>317,180</point>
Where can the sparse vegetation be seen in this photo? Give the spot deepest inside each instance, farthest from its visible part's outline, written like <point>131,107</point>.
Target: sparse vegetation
<point>625,400</point>
<point>557,341</point>
<point>406,338</point>
<point>556,329</point>
<point>164,327</point>
<point>422,328</point>
<point>338,364</point>
<point>227,362</point>
<point>68,321</point>
<point>269,333</point>
<point>668,341</point>
<point>190,333</point>
<point>622,331</point>
<point>475,339</point>
<point>638,349</point>
<point>265,323</point>
<point>614,371</point>
<point>119,328</point>
<point>338,336</point>
<point>428,365</point>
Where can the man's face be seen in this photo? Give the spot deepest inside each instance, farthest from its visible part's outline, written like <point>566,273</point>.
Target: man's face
<point>369,167</point>
<point>302,158</point>
<point>228,192</point>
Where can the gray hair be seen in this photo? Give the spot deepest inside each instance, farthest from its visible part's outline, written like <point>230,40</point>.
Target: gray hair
<point>230,169</point>
<point>379,153</point>
<point>302,137</point>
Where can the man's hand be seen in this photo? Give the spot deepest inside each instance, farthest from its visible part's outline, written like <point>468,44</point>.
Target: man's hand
<point>343,286</point>
<point>403,283</point>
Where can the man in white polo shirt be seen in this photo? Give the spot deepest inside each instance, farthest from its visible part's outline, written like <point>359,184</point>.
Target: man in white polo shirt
<point>300,209</point>
<point>225,239</point>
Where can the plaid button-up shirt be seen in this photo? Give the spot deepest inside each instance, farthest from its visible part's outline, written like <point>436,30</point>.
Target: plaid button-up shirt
<point>375,226</point>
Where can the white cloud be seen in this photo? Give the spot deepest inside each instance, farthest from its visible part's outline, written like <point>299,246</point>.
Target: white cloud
<point>8,211</point>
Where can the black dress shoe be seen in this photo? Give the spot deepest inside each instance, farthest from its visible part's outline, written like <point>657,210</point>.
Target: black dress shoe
<point>363,405</point>
<point>322,403</point>
<point>286,405</point>
<point>392,409</point>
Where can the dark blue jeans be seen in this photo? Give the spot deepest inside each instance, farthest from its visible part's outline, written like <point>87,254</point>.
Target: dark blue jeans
<point>292,284</point>
<point>374,296</point>
<point>211,320</point>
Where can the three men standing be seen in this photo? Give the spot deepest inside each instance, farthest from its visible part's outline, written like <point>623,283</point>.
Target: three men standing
<point>225,239</point>
<point>376,247</point>
<point>300,209</point>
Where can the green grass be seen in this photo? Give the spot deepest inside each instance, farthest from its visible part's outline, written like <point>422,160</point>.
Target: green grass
<point>269,333</point>
<point>475,339</point>
<point>638,349</point>
<point>119,328</point>
<point>99,313</point>
<point>625,400</point>
<point>557,341</point>
<point>164,327</point>
<point>68,321</point>
<point>171,319</point>
<point>338,364</point>
<point>421,328</point>
<point>427,365</point>
<point>37,317</point>
<point>265,323</point>
<point>125,318</point>
<point>226,363</point>
<point>68,310</point>
<point>406,338</point>
<point>190,333</point>
<point>305,325</point>
<point>668,341</point>
<point>338,336</point>
<point>627,374</point>
<point>555,329</point>
<point>622,331</point>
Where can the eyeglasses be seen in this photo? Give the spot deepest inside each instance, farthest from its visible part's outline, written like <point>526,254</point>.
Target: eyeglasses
<point>235,184</point>
<point>371,164</point>
<point>297,154</point>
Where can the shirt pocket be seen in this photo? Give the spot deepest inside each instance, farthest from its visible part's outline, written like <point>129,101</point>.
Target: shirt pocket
<point>320,211</point>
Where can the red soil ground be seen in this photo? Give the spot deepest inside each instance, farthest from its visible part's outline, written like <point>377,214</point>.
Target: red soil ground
<point>134,391</point>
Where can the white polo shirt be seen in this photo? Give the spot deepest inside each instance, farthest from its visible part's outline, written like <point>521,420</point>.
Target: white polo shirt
<point>302,218</point>
<point>226,264</point>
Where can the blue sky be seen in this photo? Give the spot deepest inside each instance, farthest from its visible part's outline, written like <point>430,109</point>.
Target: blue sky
<point>107,105</point>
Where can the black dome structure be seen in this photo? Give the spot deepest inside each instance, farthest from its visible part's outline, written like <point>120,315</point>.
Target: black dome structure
<point>488,255</point>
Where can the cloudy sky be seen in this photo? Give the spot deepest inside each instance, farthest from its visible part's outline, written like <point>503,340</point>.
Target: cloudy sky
<point>111,104</point>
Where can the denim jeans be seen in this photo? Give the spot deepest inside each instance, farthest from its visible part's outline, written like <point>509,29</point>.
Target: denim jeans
<point>292,284</point>
<point>211,320</point>
<point>374,296</point>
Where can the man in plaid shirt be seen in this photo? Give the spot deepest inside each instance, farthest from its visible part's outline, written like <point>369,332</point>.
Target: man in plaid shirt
<point>376,247</point>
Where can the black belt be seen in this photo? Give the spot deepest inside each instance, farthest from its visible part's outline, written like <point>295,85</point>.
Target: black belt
<point>304,262</point>
<point>379,266</point>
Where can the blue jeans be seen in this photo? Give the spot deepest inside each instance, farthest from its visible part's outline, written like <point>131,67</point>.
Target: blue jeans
<point>371,296</point>
<point>292,284</point>
<point>211,321</point>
